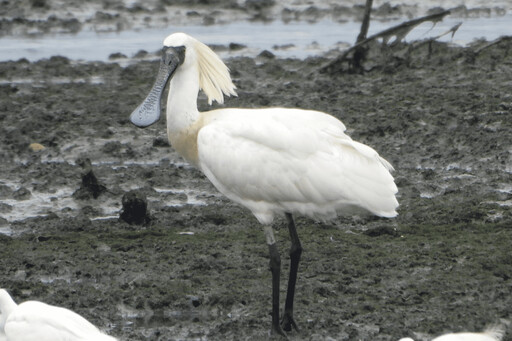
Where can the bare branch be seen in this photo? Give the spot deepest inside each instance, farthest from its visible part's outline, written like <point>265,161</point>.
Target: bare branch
<point>399,31</point>
<point>492,43</point>
<point>360,52</point>
<point>366,21</point>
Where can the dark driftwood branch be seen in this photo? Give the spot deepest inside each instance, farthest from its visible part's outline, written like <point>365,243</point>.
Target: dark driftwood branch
<point>366,21</point>
<point>451,30</point>
<point>492,43</point>
<point>399,31</point>
<point>360,52</point>
<point>430,40</point>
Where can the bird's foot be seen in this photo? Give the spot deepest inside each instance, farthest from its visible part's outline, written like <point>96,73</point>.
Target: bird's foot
<point>278,331</point>
<point>288,322</point>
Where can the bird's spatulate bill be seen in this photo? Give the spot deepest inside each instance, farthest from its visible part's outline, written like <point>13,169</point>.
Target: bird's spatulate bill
<point>148,112</point>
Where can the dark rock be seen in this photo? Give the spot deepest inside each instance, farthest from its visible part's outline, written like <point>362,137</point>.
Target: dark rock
<point>43,238</point>
<point>5,191</point>
<point>267,54</point>
<point>140,54</point>
<point>39,4</point>
<point>160,142</point>
<point>90,186</point>
<point>380,231</point>
<point>259,4</point>
<point>5,208</point>
<point>112,147</point>
<point>193,14</point>
<point>117,55</point>
<point>236,46</point>
<point>195,301</point>
<point>135,208</point>
<point>21,194</point>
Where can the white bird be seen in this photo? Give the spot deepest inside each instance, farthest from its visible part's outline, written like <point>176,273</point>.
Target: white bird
<point>494,333</point>
<point>274,161</point>
<point>37,321</point>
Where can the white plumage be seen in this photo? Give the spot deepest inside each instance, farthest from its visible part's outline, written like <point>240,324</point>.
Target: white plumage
<point>274,161</point>
<point>280,160</point>
<point>271,160</point>
<point>37,321</point>
<point>494,333</point>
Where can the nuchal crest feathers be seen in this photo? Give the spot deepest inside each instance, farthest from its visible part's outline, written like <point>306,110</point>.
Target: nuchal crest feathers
<point>214,78</point>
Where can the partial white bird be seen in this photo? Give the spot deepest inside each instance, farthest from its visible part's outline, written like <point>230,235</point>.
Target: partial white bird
<point>37,321</point>
<point>274,161</point>
<point>494,333</point>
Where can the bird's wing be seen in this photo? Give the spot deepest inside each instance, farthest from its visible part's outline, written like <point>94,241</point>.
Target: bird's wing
<point>37,321</point>
<point>466,337</point>
<point>293,160</point>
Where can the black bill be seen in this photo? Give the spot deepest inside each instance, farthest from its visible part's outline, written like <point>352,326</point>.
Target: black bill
<point>148,112</point>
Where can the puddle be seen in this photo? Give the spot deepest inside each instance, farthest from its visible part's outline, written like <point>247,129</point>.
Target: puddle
<point>50,279</point>
<point>6,230</point>
<point>108,217</point>
<point>38,204</point>
<point>187,197</point>
<point>61,201</point>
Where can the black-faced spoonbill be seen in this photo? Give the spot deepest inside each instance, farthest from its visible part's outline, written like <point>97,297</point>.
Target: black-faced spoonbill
<point>494,333</point>
<point>37,321</point>
<point>274,161</point>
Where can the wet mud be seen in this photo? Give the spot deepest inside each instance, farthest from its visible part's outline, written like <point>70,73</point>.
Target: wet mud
<point>196,267</point>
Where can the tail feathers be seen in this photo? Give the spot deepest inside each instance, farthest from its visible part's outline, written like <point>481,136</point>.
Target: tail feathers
<point>368,152</point>
<point>386,164</point>
<point>495,331</point>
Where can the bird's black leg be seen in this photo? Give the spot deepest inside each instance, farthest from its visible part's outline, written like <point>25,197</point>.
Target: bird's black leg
<point>275,268</point>
<point>295,251</point>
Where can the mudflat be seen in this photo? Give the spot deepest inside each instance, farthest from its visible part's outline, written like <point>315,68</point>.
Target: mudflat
<point>198,267</point>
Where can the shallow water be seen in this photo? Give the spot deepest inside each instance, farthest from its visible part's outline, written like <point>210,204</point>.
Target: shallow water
<point>294,39</point>
<point>38,204</point>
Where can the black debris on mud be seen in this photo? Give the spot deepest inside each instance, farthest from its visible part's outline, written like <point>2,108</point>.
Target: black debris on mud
<point>135,208</point>
<point>199,268</point>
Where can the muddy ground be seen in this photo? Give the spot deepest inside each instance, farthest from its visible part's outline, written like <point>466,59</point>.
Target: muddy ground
<point>199,268</point>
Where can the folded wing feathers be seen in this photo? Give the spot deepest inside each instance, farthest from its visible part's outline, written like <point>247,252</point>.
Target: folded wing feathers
<point>313,171</point>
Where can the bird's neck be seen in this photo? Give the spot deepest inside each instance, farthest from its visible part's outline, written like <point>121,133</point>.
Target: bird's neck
<point>182,101</point>
<point>183,118</point>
